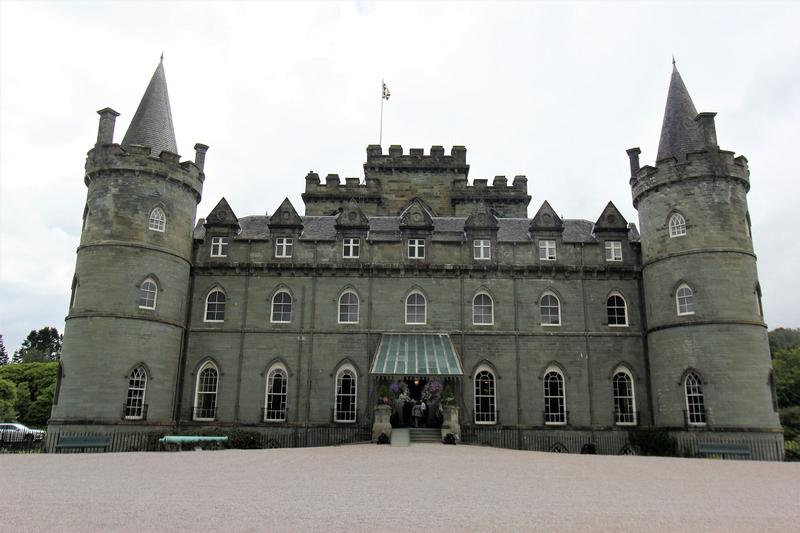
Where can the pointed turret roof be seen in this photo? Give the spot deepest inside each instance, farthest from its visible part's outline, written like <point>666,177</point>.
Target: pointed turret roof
<point>680,134</point>
<point>152,124</point>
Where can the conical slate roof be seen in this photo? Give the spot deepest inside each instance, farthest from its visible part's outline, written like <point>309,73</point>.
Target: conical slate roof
<point>680,134</point>
<point>152,124</point>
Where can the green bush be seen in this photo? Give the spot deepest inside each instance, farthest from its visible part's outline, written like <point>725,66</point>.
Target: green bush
<point>654,442</point>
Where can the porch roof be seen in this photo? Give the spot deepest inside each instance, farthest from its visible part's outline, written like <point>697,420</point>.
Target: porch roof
<point>416,354</point>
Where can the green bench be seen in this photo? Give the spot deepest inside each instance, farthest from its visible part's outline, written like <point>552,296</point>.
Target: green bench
<point>724,451</point>
<point>176,441</point>
<point>83,443</point>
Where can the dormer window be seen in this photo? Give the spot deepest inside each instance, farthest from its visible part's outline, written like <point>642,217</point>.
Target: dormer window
<point>482,249</point>
<point>547,250</point>
<point>416,248</point>
<point>283,247</point>
<point>219,247</point>
<point>351,248</point>
<point>613,250</point>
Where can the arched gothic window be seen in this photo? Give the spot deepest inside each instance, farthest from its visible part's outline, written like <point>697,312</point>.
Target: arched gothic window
<point>282,307</point>
<point>550,310</point>
<point>617,310</point>
<point>684,300</point>
<point>482,310</point>
<point>346,395</point>
<point>275,401</point>
<point>158,220</point>
<point>555,401</point>
<point>215,306</point>
<point>695,400</point>
<point>624,400</point>
<point>416,308</point>
<point>135,408</point>
<point>205,397</point>
<point>148,293</point>
<point>348,308</point>
<point>485,401</point>
<point>677,225</point>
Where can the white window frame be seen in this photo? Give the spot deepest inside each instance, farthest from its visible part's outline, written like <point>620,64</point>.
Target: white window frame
<point>207,366</point>
<point>677,226</point>
<point>144,291</point>
<point>558,307</point>
<point>547,250</point>
<point>349,370</point>
<point>475,306</point>
<point>694,417</point>
<point>137,391</point>
<point>348,313</point>
<point>351,247</point>
<point>219,246</point>
<point>482,249</point>
<point>270,393</point>
<point>622,418</point>
<point>284,246</point>
<point>624,310</point>
<point>157,221</point>
<point>558,418</point>
<point>417,246</point>
<point>424,308</point>
<point>684,303</point>
<point>282,304</point>
<point>479,416</point>
<point>614,251</point>
<point>224,304</point>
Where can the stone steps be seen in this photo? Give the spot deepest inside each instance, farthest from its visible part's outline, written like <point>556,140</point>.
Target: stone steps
<point>425,434</point>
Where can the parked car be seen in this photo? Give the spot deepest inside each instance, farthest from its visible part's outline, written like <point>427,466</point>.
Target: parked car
<point>13,432</point>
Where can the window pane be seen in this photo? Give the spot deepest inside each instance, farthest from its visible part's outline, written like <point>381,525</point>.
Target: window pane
<point>624,411</point>
<point>282,307</point>
<point>482,309</point>
<point>275,403</point>
<point>147,295</point>
<point>550,311</point>
<point>345,408</point>
<point>554,401</point>
<point>348,308</point>
<point>617,315</point>
<point>215,307</point>
<point>415,309</point>
<point>485,411</point>
<point>134,404</point>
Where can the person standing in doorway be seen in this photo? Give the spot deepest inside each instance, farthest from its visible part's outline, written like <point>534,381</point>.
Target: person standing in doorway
<point>416,414</point>
<point>423,408</point>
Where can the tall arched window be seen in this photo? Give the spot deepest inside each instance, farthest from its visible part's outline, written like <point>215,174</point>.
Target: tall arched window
<point>137,386</point>
<point>624,400</point>
<point>148,293</point>
<point>205,397</point>
<point>275,401</point>
<point>485,401</point>
<point>158,220</point>
<point>215,306</point>
<point>684,300</point>
<point>617,311</point>
<point>348,308</point>
<point>416,312</point>
<point>677,225</point>
<point>695,402</point>
<point>282,307</point>
<point>74,295</point>
<point>346,395</point>
<point>482,310</point>
<point>550,309</point>
<point>555,401</point>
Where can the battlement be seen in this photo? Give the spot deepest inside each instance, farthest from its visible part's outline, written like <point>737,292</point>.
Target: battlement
<point>415,160</point>
<point>712,163</point>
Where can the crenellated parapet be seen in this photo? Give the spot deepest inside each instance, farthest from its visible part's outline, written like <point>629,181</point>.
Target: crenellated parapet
<point>720,164</point>
<point>325,198</point>
<point>416,160</point>
<point>508,200</point>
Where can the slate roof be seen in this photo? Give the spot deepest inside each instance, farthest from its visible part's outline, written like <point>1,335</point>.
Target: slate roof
<point>152,123</point>
<point>680,134</point>
<point>387,229</point>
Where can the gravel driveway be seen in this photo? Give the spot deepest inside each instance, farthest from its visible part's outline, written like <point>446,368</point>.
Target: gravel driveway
<point>425,487</point>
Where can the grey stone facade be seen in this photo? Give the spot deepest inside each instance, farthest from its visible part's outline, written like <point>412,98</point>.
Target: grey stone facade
<point>404,200</point>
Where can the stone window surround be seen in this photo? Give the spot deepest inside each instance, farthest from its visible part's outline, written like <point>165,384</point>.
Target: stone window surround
<point>284,246</point>
<point>612,310</point>
<point>480,417</point>
<point>148,294</point>
<point>475,306</point>
<point>351,414</point>
<point>158,220</point>
<point>695,399</point>
<point>629,399</point>
<point>684,300</point>
<point>677,225</point>
<point>558,417</point>
<point>207,379</point>
<point>613,251</point>
<point>549,305</point>
<point>547,250</point>
<point>219,306</point>
<point>348,292</point>
<point>219,246</point>
<point>416,248</point>
<point>276,415</point>
<point>481,249</point>
<point>417,305</point>
<point>137,390</point>
<point>282,309</point>
<point>351,247</point>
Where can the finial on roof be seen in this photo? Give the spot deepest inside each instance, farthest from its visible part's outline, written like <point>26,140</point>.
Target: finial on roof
<point>151,125</point>
<point>673,59</point>
<point>162,57</point>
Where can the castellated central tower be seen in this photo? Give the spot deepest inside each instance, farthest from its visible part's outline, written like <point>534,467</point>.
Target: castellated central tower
<point>135,251</point>
<point>706,337</point>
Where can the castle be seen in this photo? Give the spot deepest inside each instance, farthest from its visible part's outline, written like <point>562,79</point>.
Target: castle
<point>549,333</point>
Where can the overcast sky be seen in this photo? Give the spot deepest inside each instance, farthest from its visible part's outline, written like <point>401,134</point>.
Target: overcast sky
<point>554,91</point>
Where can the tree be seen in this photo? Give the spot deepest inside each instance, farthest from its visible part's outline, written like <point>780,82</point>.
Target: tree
<point>33,385</point>
<point>8,397</point>
<point>784,338</point>
<point>3,352</point>
<point>41,345</point>
<point>786,367</point>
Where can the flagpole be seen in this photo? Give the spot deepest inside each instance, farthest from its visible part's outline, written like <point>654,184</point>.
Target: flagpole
<point>380,134</point>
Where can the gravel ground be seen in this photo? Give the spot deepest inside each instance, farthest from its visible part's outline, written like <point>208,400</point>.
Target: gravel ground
<point>380,488</point>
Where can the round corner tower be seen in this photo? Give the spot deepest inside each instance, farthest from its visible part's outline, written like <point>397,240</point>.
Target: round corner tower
<point>124,331</point>
<point>706,336</point>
